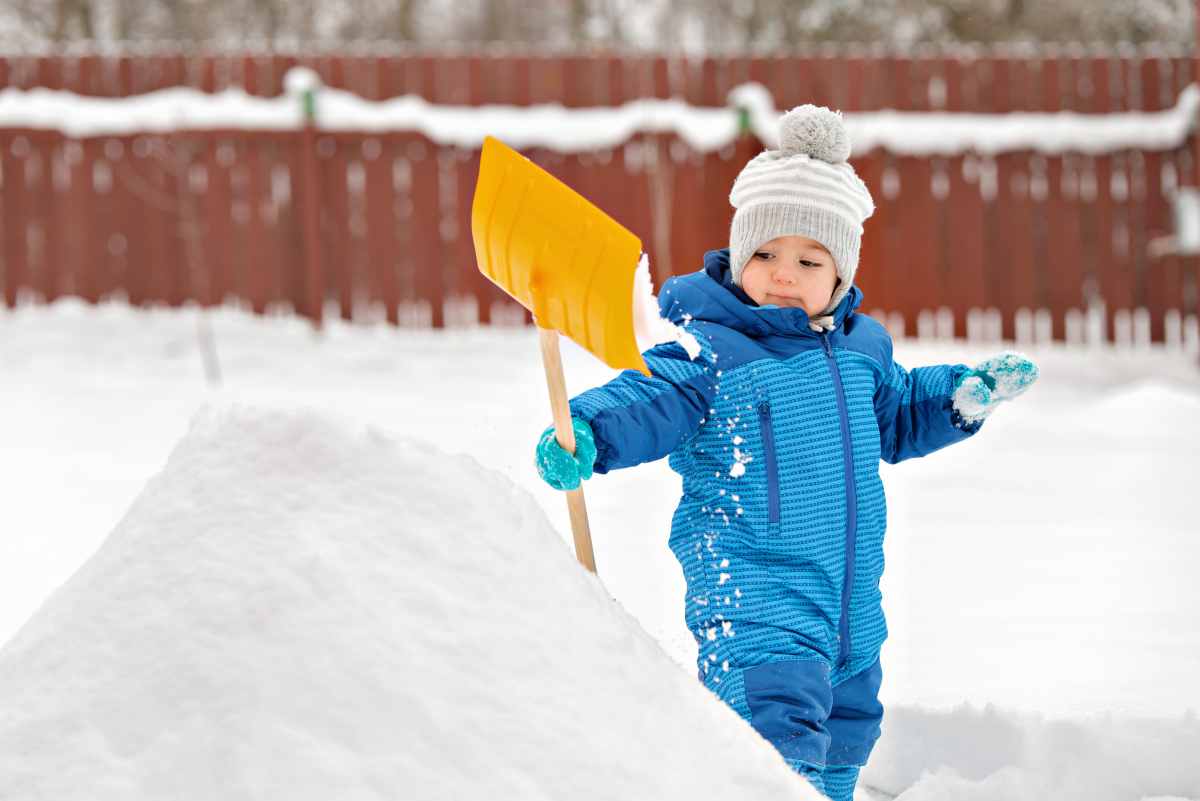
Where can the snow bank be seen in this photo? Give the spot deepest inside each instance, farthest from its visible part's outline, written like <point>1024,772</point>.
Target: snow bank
<point>296,610</point>
<point>948,133</point>
<point>969,754</point>
<point>1148,409</point>
<point>925,133</point>
<point>574,130</point>
<point>551,125</point>
<point>173,109</point>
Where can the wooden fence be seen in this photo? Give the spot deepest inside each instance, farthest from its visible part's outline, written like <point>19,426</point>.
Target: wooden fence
<point>1020,245</point>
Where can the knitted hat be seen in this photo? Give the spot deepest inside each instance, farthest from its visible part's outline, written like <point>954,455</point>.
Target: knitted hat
<point>804,188</point>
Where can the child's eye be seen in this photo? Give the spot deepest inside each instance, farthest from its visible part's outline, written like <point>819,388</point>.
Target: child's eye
<point>761,255</point>
<point>808,263</point>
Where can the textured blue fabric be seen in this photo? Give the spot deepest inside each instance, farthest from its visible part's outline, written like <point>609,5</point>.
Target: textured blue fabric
<point>777,433</point>
<point>557,467</point>
<point>916,411</point>
<point>838,783</point>
<point>813,774</point>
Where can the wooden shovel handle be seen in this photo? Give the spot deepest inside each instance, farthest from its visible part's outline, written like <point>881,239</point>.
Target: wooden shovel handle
<point>552,361</point>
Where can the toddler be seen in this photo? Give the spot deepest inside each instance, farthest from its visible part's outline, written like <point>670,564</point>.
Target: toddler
<point>777,429</point>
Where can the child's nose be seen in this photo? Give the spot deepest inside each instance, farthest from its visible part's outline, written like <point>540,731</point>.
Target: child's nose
<point>784,275</point>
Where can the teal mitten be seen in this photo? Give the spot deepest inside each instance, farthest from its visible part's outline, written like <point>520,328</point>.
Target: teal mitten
<point>560,469</point>
<point>1000,378</point>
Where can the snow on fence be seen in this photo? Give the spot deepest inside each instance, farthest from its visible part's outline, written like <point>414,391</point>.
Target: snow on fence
<point>975,241</point>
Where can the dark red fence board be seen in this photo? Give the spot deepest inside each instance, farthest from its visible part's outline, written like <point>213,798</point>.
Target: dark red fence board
<point>335,224</point>
<point>964,234</point>
<point>215,224</point>
<point>424,245</point>
<point>12,198</point>
<point>381,233</point>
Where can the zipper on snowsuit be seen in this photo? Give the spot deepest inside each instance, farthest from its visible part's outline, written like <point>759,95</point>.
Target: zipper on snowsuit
<point>851,504</point>
<point>768,436</point>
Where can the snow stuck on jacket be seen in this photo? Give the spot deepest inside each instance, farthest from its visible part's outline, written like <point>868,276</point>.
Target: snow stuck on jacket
<point>296,610</point>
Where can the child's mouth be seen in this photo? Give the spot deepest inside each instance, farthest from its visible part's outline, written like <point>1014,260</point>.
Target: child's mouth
<point>784,300</point>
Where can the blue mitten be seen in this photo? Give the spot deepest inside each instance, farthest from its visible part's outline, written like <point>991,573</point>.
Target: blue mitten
<point>560,469</point>
<point>1000,378</point>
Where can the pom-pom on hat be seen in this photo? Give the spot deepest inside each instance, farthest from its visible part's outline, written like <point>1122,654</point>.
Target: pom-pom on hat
<point>806,188</point>
<point>814,130</point>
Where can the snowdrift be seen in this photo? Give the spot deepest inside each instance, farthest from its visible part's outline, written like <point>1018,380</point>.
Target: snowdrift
<point>989,754</point>
<point>294,609</point>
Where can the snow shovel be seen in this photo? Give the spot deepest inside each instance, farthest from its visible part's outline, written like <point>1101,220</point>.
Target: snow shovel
<point>571,265</point>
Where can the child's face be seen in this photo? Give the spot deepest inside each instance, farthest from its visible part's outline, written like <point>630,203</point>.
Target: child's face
<point>791,271</point>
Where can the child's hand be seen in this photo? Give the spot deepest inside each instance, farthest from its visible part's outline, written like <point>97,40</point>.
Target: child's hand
<point>560,469</point>
<point>1000,378</point>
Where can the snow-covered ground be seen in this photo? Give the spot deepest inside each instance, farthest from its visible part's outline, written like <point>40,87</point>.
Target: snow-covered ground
<point>1041,585</point>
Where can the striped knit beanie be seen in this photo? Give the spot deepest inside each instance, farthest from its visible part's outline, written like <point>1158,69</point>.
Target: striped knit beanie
<point>804,188</point>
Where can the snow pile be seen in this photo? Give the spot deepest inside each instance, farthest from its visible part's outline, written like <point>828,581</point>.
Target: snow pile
<point>550,125</point>
<point>1149,410</point>
<point>294,610</point>
<point>175,109</point>
<point>923,133</point>
<point>969,754</point>
<point>948,133</point>
<point>575,130</point>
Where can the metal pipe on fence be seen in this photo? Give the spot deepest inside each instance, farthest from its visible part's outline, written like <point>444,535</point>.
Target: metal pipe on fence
<point>304,85</point>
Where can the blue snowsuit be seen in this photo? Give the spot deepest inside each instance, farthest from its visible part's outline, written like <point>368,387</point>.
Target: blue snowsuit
<point>777,432</point>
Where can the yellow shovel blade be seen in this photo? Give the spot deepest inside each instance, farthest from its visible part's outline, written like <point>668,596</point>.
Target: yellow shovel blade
<point>556,254</point>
